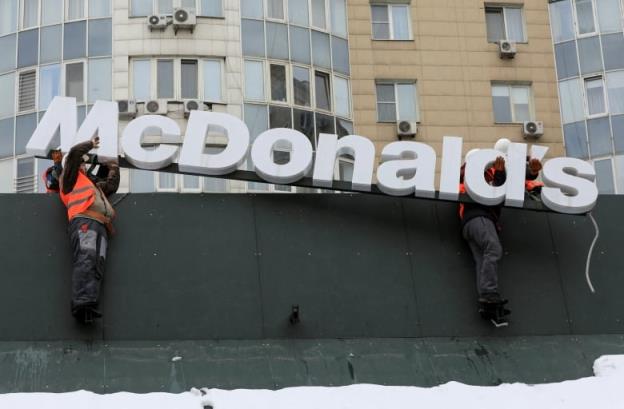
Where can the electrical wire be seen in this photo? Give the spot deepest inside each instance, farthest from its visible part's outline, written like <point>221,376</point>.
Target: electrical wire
<point>589,254</point>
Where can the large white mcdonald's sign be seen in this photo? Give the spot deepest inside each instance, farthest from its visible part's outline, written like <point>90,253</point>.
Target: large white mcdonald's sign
<point>406,168</point>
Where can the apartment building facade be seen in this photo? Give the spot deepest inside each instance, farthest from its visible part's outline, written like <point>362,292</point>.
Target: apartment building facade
<point>329,66</point>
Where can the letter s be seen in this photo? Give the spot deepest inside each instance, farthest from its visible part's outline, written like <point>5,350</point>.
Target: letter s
<point>570,186</point>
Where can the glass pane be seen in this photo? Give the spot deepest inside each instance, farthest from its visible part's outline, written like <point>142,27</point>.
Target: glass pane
<point>278,83</point>
<point>320,50</point>
<point>74,81</point>
<point>599,134</point>
<point>341,95</point>
<point>140,7</point>
<point>345,170</point>
<point>585,16</point>
<point>141,181</point>
<point>189,4</point>
<point>275,9</point>
<point>318,14</point>
<point>52,12</point>
<point>495,24</point>
<point>75,9</point>
<point>51,44</point>
<point>212,80</point>
<point>8,16</point>
<point>613,49</point>
<point>301,85</point>
<point>100,38</point>
<point>277,41</point>
<point>75,42</point>
<point>215,185</point>
<point>100,8</point>
<point>609,15</point>
<point>30,8</point>
<point>190,181</point>
<point>379,14</point>
<point>254,80</point>
<point>253,38</point>
<point>251,8</point>
<point>166,180</point>
<point>340,55</point>
<point>619,173</point>
<point>561,20</point>
<point>589,55</point>
<point>615,90</point>
<point>303,121</point>
<point>520,102</point>
<point>141,80</point>
<point>400,22</point>
<point>324,124</point>
<point>298,12</point>
<point>576,140</point>
<point>323,94</point>
<point>339,17</point>
<point>6,176</point>
<point>49,85</point>
<point>165,6</point>
<point>7,90</point>
<point>406,98</point>
<point>100,80</point>
<point>189,79</point>
<point>256,119</point>
<point>385,93</point>
<point>567,63</point>
<point>381,31</point>
<point>6,138</point>
<point>595,96</point>
<point>211,8</point>
<point>7,50</point>
<point>343,127</point>
<point>501,103</point>
<point>300,45</point>
<point>604,176</point>
<point>28,46</point>
<point>24,128</point>
<point>386,111</point>
<point>164,78</point>
<point>279,117</point>
<point>571,99</point>
<point>515,24</point>
<point>617,124</point>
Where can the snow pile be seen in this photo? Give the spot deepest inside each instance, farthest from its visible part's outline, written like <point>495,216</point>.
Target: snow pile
<point>604,391</point>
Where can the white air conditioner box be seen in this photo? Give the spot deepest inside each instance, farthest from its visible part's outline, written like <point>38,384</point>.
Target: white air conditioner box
<point>127,108</point>
<point>157,22</point>
<point>406,129</point>
<point>506,49</point>
<point>533,129</point>
<point>184,19</point>
<point>156,107</point>
<point>193,105</point>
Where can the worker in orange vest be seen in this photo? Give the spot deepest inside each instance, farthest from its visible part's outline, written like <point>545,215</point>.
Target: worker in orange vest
<point>90,217</point>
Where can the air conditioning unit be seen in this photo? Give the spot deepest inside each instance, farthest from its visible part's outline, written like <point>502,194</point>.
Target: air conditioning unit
<point>533,129</point>
<point>193,105</point>
<point>184,18</point>
<point>506,49</point>
<point>157,22</point>
<point>406,129</point>
<point>127,108</point>
<point>156,107</point>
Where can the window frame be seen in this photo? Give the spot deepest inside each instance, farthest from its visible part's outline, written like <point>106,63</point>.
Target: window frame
<point>504,8</point>
<point>263,63</point>
<point>396,102</point>
<point>21,25</point>
<point>605,97</point>
<point>85,79</point>
<point>174,189</point>
<point>287,79</point>
<point>85,12</point>
<point>391,33</point>
<point>284,19</point>
<point>510,87</point>
<point>349,99</point>
<point>576,21</point>
<point>314,106</point>
<point>327,28</point>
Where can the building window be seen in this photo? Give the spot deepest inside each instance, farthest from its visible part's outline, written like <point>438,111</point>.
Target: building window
<point>278,83</point>
<point>51,12</point>
<point>100,80</point>
<point>561,21</point>
<point>391,22</point>
<point>7,90</point>
<point>76,9</point>
<point>341,97</point>
<point>254,80</point>
<point>202,8</point>
<point>319,14</point>
<point>512,103</point>
<point>164,79</point>
<point>30,13</point>
<point>505,23</point>
<point>322,90</point>
<point>585,17</point>
<point>74,81</point>
<point>301,86</point>
<point>396,101</point>
<point>49,84</point>
<point>8,16</point>
<point>275,9</point>
<point>189,79</point>
<point>212,80</point>
<point>604,176</point>
<point>141,79</point>
<point>99,8</point>
<point>594,92</point>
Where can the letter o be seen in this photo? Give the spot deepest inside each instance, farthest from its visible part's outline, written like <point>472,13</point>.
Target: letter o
<point>300,156</point>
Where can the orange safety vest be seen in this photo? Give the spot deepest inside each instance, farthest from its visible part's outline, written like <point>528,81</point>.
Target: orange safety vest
<point>80,198</point>
<point>462,190</point>
<point>529,185</point>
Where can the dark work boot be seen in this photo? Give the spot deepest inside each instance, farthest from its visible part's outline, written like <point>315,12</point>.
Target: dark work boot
<point>491,298</point>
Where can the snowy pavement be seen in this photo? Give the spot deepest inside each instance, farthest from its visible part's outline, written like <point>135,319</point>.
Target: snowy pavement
<point>605,390</point>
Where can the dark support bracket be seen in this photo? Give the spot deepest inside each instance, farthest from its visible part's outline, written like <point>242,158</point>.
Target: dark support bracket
<point>294,315</point>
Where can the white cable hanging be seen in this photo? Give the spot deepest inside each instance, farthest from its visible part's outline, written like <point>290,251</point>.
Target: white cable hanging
<point>589,254</point>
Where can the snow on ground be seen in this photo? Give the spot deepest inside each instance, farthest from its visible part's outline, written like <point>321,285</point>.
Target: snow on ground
<point>603,391</point>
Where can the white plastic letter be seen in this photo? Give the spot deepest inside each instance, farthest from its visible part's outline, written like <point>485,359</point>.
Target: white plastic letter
<point>515,166</point>
<point>103,121</point>
<point>451,164</point>
<point>300,155</point>
<point>154,159</point>
<point>570,186</point>
<point>192,156</point>
<point>402,158</point>
<point>61,115</point>
<point>329,147</point>
<point>476,186</point>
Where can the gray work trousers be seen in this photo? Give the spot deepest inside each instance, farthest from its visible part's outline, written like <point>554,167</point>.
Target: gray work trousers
<point>482,237</point>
